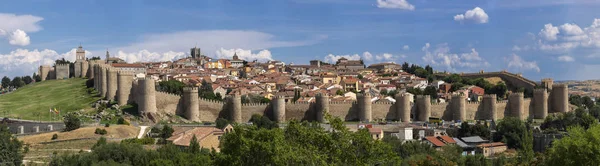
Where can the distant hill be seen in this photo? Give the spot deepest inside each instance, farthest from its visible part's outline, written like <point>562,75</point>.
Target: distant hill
<point>33,102</point>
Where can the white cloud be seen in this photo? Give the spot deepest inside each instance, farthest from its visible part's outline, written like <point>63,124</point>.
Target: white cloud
<point>210,41</point>
<point>395,4</point>
<point>18,25</point>
<point>406,47</point>
<point>11,22</point>
<point>442,57</point>
<point>25,62</point>
<point>516,62</point>
<point>566,58</point>
<point>549,32</point>
<point>263,55</point>
<point>476,15</point>
<point>148,56</point>
<point>569,36</point>
<point>19,38</point>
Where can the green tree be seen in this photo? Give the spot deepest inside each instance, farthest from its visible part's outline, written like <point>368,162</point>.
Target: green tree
<point>171,86</point>
<point>587,102</point>
<point>27,79</point>
<point>222,123</point>
<point>579,147</point>
<point>526,153</point>
<point>10,147</point>
<point>100,142</point>
<point>72,122</point>
<point>263,122</point>
<point>467,130</point>
<point>17,82</point>
<point>339,92</point>
<point>5,82</point>
<point>408,148</point>
<point>431,91</point>
<point>510,131</point>
<point>194,147</point>
<point>453,78</point>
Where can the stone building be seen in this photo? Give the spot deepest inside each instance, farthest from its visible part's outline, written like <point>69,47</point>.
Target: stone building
<point>208,137</point>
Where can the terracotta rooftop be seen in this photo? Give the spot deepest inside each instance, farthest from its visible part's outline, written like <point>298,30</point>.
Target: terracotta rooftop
<point>447,139</point>
<point>137,65</point>
<point>493,144</point>
<point>435,141</point>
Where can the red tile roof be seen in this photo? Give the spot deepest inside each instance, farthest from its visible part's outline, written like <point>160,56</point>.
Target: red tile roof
<point>435,141</point>
<point>447,139</point>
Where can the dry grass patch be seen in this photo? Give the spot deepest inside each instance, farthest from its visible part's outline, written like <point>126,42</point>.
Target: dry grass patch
<point>494,80</point>
<point>114,131</point>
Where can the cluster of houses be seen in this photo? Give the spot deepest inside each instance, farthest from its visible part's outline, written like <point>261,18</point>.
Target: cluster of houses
<point>341,80</point>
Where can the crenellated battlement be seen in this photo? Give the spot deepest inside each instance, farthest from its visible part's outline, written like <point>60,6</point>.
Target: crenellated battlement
<point>189,89</point>
<point>254,104</point>
<point>473,102</point>
<point>540,90</point>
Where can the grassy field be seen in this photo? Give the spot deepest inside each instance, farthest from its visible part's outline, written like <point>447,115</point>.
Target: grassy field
<point>33,101</point>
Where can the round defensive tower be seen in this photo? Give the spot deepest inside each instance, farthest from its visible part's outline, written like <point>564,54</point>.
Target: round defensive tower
<point>547,83</point>
<point>560,95</point>
<point>540,103</point>
<point>517,108</point>
<point>103,81</point>
<point>111,91</point>
<point>423,107</point>
<point>489,106</point>
<point>278,106</point>
<point>459,109</point>
<point>403,107</point>
<point>322,109</point>
<point>148,96</point>
<point>96,77</point>
<point>124,84</point>
<point>77,69</point>
<point>236,111</point>
<point>90,70</point>
<point>84,68</point>
<point>364,107</point>
<point>192,103</point>
<point>44,71</point>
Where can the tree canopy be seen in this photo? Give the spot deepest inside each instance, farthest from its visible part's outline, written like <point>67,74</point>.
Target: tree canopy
<point>10,148</point>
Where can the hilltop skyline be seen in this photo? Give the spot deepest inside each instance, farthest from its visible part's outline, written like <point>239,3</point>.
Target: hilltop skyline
<point>537,38</point>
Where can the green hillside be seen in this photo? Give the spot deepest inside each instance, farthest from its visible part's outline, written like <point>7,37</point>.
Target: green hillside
<point>33,101</point>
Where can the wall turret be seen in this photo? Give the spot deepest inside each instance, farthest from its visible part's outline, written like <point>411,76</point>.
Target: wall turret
<point>147,100</point>
<point>44,72</point>
<point>84,68</point>
<point>111,87</point>
<point>403,106</point>
<point>322,105</point>
<point>364,107</point>
<point>90,70</point>
<point>124,84</point>
<point>548,83</point>
<point>560,98</point>
<point>489,106</point>
<point>517,105</point>
<point>236,108</point>
<point>278,106</point>
<point>540,103</point>
<point>103,81</point>
<point>423,107</point>
<point>62,71</point>
<point>77,69</point>
<point>459,109</point>
<point>191,103</point>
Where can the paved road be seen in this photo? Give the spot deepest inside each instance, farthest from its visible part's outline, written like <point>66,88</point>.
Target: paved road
<point>142,131</point>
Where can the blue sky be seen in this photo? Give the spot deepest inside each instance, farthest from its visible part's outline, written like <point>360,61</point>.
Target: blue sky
<point>539,38</point>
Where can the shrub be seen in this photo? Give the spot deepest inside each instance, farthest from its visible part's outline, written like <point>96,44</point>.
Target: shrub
<point>142,141</point>
<point>122,121</point>
<point>55,136</point>
<point>107,125</point>
<point>100,131</point>
<point>72,122</point>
